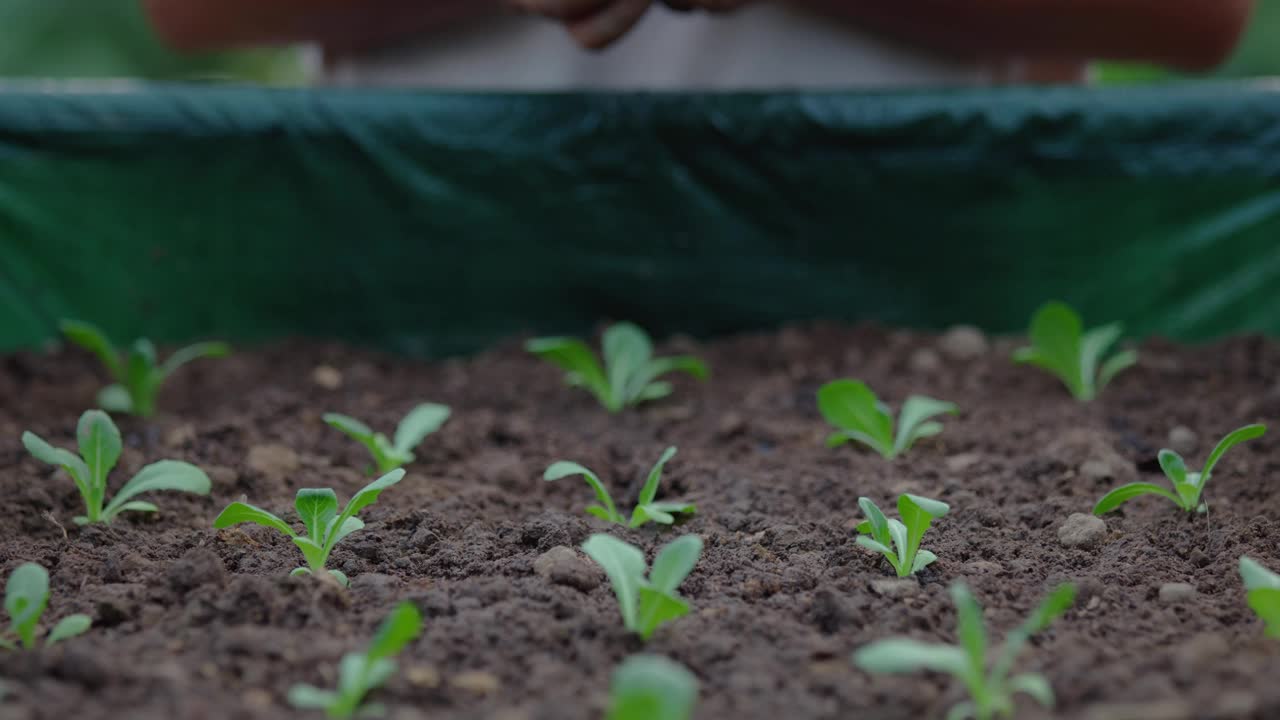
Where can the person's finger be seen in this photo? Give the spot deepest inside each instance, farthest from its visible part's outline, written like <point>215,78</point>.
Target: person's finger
<point>680,5</point>
<point>602,28</point>
<point>718,5</point>
<point>563,9</point>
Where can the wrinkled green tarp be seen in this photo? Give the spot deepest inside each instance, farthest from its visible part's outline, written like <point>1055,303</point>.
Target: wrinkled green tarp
<point>437,223</point>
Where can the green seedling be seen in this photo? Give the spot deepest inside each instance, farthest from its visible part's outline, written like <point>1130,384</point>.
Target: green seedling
<point>1060,345</point>
<point>852,407</point>
<point>900,540</point>
<point>359,673</point>
<point>100,446</point>
<point>318,509</point>
<point>646,507</point>
<point>1187,486</point>
<point>25,597</point>
<point>650,687</point>
<point>646,603</point>
<point>1262,591</point>
<point>138,374</point>
<point>630,373</point>
<point>991,691</point>
<point>412,430</point>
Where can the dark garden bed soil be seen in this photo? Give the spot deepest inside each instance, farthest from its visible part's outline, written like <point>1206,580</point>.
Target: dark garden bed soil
<point>194,623</point>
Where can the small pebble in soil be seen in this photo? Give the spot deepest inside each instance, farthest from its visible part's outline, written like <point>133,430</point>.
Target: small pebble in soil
<point>423,676</point>
<point>925,361</point>
<point>476,681</point>
<point>1176,593</point>
<point>327,377</point>
<point>963,342</point>
<point>895,587</point>
<point>273,460</point>
<point>179,436</point>
<point>963,461</point>
<point>1183,440</point>
<point>563,566</point>
<point>1081,530</point>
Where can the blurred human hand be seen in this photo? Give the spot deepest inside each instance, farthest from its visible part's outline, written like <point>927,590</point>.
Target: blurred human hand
<point>593,24</point>
<point>596,24</point>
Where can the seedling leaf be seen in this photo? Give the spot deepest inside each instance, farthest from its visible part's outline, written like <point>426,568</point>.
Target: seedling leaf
<point>1060,346</point>
<point>649,687</point>
<point>630,372</point>
<point>411,431</point>
<point>564,468</point>
<point>99,442</point>
<point>68,627</point>
<point>162,475</point>
<point>899,541</point>
<point>25,596</point>
<point>860,416</point>
<point>1262,592</point>
<point>902,655</point>
<point>399,629</point>
<point>991,690</point>
<point>316,507</point>
<point>1188,486</point>
<point>239,512</point>
<point>624,565</point>
<point>646,508</point>
<point>674,563</point>
<point>418,424</point>
<point>138,376</point>
<point>645,603</point>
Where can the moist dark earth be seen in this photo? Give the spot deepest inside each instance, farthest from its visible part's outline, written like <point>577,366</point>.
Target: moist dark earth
<point>195,623</point>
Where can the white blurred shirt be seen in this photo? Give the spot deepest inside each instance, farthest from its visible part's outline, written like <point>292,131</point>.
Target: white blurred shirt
<point>758,47</point>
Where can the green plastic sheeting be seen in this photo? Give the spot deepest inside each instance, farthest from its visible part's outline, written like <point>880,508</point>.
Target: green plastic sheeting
<point>439,223</point>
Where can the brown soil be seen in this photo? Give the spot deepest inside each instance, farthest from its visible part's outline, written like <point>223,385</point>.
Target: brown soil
<point>194,623</point>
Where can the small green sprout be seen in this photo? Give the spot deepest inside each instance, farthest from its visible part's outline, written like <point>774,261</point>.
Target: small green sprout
<point>1187,485</point>
<point>25,597</point>
<point>359,673</point>
<point>900,542</point>
<point>1262,588</point>
<point>1060,345</point>
<point>646,507</point>
<point>646,603</point>
<point>650,687</point>
<point>630,373</point>
<point>412,430</point>
<point>138,375</point>
<point>852,407</point>
<point>991,691</point>
<point>100,447</point>
<point>318,509</point>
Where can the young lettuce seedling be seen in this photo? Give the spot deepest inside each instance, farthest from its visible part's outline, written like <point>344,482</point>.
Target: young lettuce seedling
<point>1187,485</point>
<point>650,687</point>
<point>646,507</point>
<point>359,673</point>
<point>853,408</point>
<point>412,430</point>
<point>1060,345</point>
<point>1262,588</point>
<point>900,541</point>
<point>138,375</point>
<point>646,603</point>
<point>318,508</point>
<point>100,447</point>
<point>991,691</point>
<point>25,597</point>
<point>630,373</point>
